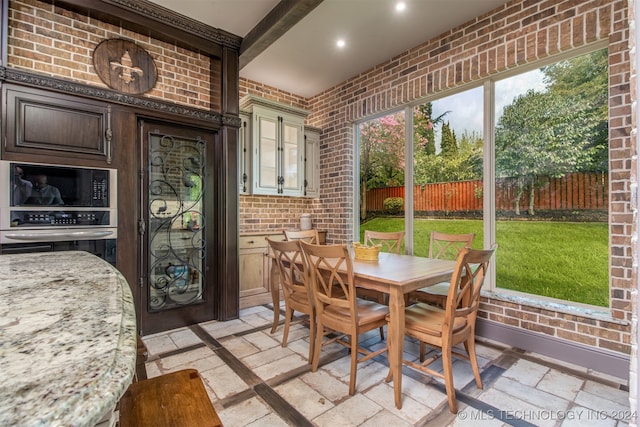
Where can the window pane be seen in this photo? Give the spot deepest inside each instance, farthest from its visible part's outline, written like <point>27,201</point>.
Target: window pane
<point>552,180</point>
<point>382,143</point>
<point>448,185</point>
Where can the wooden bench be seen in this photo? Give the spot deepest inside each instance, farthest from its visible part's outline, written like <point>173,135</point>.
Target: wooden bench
<point>178,399</point>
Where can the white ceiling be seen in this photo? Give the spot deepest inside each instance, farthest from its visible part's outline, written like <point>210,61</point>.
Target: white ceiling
<point>305,61</point>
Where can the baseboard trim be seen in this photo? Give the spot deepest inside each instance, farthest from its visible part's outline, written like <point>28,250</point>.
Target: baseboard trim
<point>607,362</point>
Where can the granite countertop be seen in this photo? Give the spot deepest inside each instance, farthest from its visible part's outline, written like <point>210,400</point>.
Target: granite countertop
<point>67,339</point>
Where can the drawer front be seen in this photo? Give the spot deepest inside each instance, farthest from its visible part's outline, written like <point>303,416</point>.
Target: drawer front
<point>258,240</point>
<point>249,242</point>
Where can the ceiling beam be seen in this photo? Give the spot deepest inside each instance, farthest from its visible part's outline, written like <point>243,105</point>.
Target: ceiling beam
<point>278,21</point>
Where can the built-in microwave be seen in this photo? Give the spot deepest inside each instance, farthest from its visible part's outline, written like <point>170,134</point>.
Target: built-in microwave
<point>34,195</point>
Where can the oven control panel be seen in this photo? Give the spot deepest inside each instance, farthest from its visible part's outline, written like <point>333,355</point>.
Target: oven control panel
<point>26,218</point>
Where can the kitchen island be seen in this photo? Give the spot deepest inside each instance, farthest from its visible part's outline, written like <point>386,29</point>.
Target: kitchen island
<point>67,339</point>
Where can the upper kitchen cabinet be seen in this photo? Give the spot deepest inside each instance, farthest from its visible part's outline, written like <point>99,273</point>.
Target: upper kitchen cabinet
<point>311,162</point>
<point>277,147</point>
<point>48,124</point>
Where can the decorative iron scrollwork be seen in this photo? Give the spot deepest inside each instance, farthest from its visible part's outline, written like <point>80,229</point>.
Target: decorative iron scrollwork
<point>176,221</point>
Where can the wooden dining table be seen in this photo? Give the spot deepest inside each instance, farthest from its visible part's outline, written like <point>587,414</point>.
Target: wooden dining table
<point>395,275</point>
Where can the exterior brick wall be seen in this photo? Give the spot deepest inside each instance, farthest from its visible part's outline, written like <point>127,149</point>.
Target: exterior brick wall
<point>53,41</point>
<point>49,40</point>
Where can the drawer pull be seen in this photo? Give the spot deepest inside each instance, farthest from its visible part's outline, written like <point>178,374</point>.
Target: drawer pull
<point>250,241</point>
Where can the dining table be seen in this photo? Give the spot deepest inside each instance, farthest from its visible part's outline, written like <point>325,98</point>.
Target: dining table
<point>396,275</point>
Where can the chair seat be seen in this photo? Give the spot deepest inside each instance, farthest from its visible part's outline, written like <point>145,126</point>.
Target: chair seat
<point>368,312</point>
<point>300,297</point>
<point>427,319</point>
<point>441,288</point>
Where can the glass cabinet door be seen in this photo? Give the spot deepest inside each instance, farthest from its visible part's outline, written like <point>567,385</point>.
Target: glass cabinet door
<point>176,247</point>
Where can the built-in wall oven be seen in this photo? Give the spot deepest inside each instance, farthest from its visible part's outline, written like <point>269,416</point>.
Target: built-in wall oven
<point>53,207</point>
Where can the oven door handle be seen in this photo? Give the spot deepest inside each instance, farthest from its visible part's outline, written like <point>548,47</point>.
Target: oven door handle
<point>67,235</point>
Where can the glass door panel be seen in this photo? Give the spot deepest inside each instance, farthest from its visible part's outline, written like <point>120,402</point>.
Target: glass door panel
<point>290,144</point>
<point>176,247</point>
<point>268,149</point>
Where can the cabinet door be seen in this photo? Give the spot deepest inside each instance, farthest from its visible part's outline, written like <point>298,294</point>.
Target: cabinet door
<point>311,163</point>
<point>48,124</point>
<point>244,155</point>
<point>278,153</point>
<point>254,271</point>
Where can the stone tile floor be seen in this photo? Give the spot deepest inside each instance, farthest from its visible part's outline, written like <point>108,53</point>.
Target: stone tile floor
<point>253,381</point>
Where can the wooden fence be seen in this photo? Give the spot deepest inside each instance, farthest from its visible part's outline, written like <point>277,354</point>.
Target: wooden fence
<point>577,191</point>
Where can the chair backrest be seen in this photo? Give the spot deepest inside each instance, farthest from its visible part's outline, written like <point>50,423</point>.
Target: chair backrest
<point>309,236</point>
<point>469,274</point>
<point>448,246</point>
<point>329,285</point>
<point>290,261</point>
<point>391,241</point>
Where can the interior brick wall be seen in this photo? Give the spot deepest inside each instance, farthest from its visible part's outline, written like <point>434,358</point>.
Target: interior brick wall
<point>635,141</point>
<point>519,33</point>
<point>53,41</point>
<point>267,213</point>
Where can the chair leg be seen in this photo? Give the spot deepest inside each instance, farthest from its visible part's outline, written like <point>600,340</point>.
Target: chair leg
<point>389,344</point>
<point>470,346</point>
<point>423,351</point>
<point>287,322</point>
<point>448,380</point>
<point>353,339</point>
<point>382,300</point>
<point>312,336</point>
<point>317,346</point>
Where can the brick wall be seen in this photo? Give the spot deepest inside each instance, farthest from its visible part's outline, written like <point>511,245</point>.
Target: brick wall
<point>634,13</point>
<point>266,213</point>
<point>515,34</point>
<point>53,41</point>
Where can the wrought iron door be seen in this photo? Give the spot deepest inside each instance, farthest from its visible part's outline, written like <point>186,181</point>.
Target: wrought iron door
<point>175,229</point>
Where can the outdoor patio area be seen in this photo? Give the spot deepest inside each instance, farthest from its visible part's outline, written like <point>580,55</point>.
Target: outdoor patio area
<point>253,381</point>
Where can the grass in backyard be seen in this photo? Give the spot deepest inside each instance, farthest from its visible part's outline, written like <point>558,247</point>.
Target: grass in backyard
<point>563,260</point>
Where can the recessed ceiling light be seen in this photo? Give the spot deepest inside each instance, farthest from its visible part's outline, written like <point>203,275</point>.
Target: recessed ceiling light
<point>340,43</point>
<point>400,6</point>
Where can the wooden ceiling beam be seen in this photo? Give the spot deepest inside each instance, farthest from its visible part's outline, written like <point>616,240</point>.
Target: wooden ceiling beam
<point>278,21</point>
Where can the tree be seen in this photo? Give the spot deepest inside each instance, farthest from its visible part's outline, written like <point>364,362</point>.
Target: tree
<point>559,131</point>
<point>448,143</point>
<point>381,155</point>
<point>542,134</point>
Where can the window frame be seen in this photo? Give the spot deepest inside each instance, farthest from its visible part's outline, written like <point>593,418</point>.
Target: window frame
<point>490,287</point>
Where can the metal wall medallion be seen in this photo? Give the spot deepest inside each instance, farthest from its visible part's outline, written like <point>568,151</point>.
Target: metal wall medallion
<point>124,66</point>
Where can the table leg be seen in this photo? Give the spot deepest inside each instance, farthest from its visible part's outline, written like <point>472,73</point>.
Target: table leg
<point>274,285</point>
<point>395,335</point>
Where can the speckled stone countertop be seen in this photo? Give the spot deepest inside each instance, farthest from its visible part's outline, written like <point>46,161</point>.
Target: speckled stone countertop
<point>67,339</point>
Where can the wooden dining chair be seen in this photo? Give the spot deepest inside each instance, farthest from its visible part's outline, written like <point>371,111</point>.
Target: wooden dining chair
<point>455,324</point>
<point>441,246</point>
<point>309,236</point>
<point>296,290</point>
<point>390,241</point>
<point>337,308</point>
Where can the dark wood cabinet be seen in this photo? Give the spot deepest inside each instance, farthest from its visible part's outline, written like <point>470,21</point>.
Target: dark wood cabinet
<point>49,124</point>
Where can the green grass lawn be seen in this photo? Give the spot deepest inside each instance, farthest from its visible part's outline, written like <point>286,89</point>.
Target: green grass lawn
<point>564,260</point>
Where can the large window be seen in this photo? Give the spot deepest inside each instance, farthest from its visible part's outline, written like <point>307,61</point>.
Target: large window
<point>548,147</point>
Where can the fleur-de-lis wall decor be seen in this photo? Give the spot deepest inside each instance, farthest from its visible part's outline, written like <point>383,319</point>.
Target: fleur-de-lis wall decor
<point>124,66</point>
<point>128,72</point>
